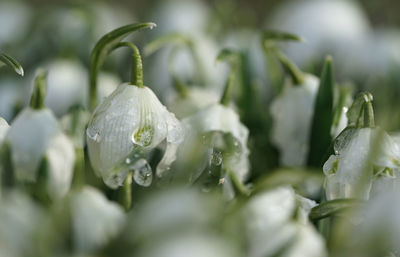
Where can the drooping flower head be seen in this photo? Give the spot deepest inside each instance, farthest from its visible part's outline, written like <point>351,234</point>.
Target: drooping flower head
<point>129,123</point>
<point>37,145</point>
<point>366,159</point>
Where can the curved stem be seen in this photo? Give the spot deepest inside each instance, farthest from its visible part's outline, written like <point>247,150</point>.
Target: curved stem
<point>296,74</point>
<point>39,91</point>
<point>239,186</point>
<point>102,48</point>
<point>137,66</point>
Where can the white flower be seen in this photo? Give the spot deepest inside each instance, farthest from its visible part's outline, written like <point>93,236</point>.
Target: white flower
<point>3,129</point>
<point>20,223</point>
<point>292,113</point>
<point>196,99</point>
<point>33,135</point>
<point>271,227</point>
<point>67,86</point>
<point>222,119</point>
<point>95,219</point>
<point>130,118</point>
<point>366,161</point>
<point>342,24</point>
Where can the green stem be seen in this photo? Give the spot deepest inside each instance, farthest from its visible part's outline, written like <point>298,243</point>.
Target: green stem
<point>137,66</point>
<point>296,74</point>
<point>228,90</point>
<point>102,48</point>
<point>127,192</point>
<point>39,91</point>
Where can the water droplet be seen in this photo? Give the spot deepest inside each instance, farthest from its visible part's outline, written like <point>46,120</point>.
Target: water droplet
<point>216,157</point>
<point>143,174</point>
<point>93,134</point>
<point>143,136</point>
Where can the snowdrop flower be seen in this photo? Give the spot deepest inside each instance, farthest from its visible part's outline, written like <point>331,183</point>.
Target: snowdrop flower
<point>292,112</point>
<point>194,63</point>
<point>68,87</point>
<point>222,119</point>
<point>95,219</point>
<point>130,121</point>
<point>366,162</point>
<point>21,221</point>
<point>195,99</point>
<point>182,16</point>
<point>35,136</point>
<point>343,23</point>
<point>131,117</point>
<point>270,226</point>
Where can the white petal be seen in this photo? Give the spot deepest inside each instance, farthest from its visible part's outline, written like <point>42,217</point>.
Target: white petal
<point>61,158</point>
<point>96,220</point>
<point>292,113</point>
<point>196,99</point>
<point>218,118</point>
<point>29,137</point>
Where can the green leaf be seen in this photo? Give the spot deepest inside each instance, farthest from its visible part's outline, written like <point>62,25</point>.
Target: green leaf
<point>101,50</point>
<point>333,207</point>
<point>271,37</point>
<point>12,63</point>
<point>173,38</point>
<point>320,138</point>
<point>7,176</point>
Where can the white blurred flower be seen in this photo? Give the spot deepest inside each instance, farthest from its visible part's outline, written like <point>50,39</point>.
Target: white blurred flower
<point>292,113</point>
<point>130,118</point>
<point>271,227</point>
<point>342,26</point>
<point>95,219</point>
<point>189,16</point>
<point>366,162</point>
<point>221,119</point>
<point>20,223</point>
<point>198,66</point>
<point>67,85</point>
<point>191,244</point>
<point>3,129</point>
<point>196,99</point>
<point>34,135</point>
<point>15,19</point>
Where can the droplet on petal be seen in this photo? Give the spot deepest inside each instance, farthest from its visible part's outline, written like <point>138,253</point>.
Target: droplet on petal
<point>143,174</point>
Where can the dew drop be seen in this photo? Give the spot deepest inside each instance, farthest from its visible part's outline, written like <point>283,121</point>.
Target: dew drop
<point>142,175</point>
<point>216,157</point>
<point>93,134</point>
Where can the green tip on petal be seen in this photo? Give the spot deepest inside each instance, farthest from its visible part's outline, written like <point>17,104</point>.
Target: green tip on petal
<point>39,90</point>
